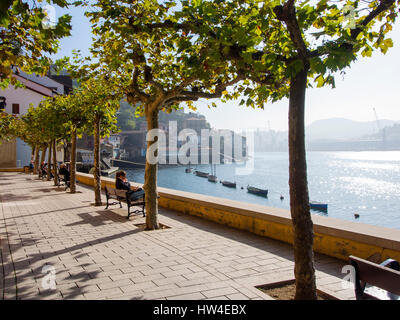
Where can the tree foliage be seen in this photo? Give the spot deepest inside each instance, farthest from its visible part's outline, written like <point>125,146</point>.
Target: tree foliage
<point>8,126</point>
<point>26,39</point>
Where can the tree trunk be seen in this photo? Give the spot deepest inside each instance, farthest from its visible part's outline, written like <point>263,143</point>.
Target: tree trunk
<point>67,151</point>
<point>73,163</point>
<point>55,162</point>
<point>42,158</point>
<point>33,152</point>
<point>299,200</point>
<point>49,160</point>
<point>150,176</point>
<point>36,165</point>
<point>96,158</point>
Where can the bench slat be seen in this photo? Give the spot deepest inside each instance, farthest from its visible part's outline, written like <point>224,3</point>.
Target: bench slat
<point>120,193</point>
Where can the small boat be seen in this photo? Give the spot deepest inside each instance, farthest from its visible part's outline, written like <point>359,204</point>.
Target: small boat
<point>188,169</point>
<point>201,174</point>
<point>318,206</point>
<point>212,177</point>
<point>257,191</point>
<point>229,184</point>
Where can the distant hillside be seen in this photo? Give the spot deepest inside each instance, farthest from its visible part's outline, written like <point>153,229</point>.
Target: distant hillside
<point>343,129</point>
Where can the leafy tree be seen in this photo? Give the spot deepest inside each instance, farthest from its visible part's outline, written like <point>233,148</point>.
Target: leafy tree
<point>25,39</point>
<point>98,101</point>
<point>32,133</point>
<point>93,106</point>
<point>52,113</point>
<point>8,126</point>
<point>65,120</point>
<point>157,70</point>
<point>43,126</point>
<point>75,122</point>
<point>286,47</point>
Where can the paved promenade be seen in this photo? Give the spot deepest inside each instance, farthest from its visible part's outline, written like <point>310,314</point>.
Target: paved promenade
<point>99,254</point>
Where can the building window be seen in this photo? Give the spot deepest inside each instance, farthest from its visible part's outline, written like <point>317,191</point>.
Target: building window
<point>15,108</point>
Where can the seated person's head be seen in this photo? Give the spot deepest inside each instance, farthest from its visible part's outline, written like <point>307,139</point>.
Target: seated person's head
<point>120,174</point>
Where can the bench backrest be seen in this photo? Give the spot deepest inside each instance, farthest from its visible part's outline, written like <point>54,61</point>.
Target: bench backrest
<point>376,275</point>
<point>120,193</point>
<point>115,192</point>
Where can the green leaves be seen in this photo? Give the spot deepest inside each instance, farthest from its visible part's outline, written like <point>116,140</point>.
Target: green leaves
<point>367,52</point>
<point>9,125</point>
<point>96,97</point>
<point>24,39</point>
<point>385,45</point>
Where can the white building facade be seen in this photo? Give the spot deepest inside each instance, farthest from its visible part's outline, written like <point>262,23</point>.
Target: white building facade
<point>17,153</point>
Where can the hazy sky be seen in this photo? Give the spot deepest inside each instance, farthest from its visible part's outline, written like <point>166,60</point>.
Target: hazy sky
<point>370,83</point>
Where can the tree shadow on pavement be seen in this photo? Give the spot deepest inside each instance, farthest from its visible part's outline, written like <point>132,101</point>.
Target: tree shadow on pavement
<point>281,249</point>
<point>30,272</point>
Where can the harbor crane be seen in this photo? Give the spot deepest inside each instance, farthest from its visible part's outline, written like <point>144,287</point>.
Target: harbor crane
<point>378,124</point>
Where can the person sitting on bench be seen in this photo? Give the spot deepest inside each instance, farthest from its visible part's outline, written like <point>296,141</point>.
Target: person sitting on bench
<point>64,171</point>
<point>122,183</point>
<point>43,168</point>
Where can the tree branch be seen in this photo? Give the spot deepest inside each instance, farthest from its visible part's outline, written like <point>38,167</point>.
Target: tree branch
<point>139,59</point>
<point>382,7</point>
<point>148,77</point>
<point>185,95</point>
<point>287,14</point>
<point>135,94</point>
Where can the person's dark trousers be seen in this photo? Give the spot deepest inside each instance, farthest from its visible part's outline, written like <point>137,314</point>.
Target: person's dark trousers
<point>135,195</point>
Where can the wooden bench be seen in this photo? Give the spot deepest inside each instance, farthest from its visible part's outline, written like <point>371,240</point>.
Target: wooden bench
<point>123,195</point>
<point>28,169</point>
<point>42,174</point>
<point>62,181</point>
<point>377,275</point>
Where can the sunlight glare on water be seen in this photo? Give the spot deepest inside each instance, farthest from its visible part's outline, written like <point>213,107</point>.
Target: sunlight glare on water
<point>366,183</point>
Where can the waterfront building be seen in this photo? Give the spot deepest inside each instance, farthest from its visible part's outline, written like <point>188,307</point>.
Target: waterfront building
<point>16,153</point>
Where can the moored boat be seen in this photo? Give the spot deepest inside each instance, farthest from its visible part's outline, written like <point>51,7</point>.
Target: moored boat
<point>257,191</point>
<point>318,206</point>
<point>213,176</point>
<point>189,168</point>
<point>229,184</point>
<point>201,174</point>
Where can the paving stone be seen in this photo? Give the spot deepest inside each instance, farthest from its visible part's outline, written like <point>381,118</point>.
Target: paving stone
<point>219,292</point>
<point>190,296</point>
<point>237,296</point>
